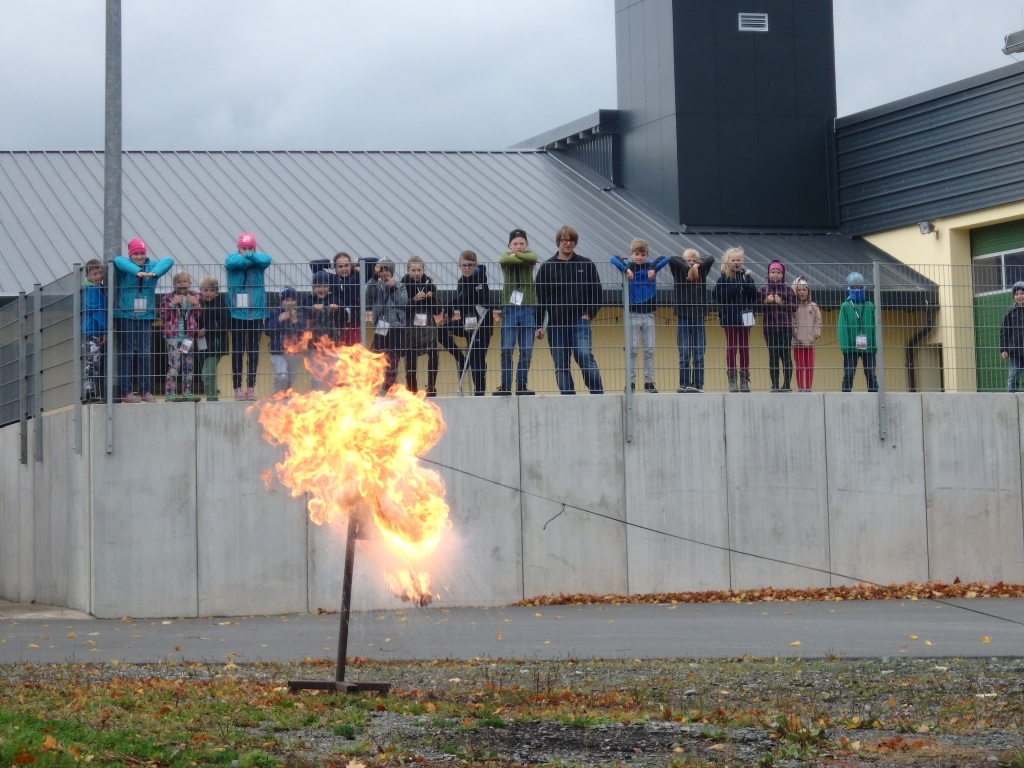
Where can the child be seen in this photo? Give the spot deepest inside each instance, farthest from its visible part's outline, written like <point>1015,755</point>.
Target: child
<point>94,330</point>
<point>247,299</point>
<point>1011,337</point>
<point>322,314</point>
<point>690,272</point>
<point>735,293</point>
<point>389,300</point>
<point>856,331</point>
<point>518,315</point>
<point>778,304</point>
<point>806,330</point>
<point>643,276</point>
<point>285,327</point>
<point>180,311</point>
<point>421,331</point>
<point>471,319</point>
<point>134,317</point>
<point>214,324</point>
<point>346,298</point>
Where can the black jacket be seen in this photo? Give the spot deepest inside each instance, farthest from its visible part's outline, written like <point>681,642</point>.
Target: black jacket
<point>690,299</point>
<point>1011,333</point>
<point>429,305</point>
<point>568,289</point>
<point>472,292</point>
<point>215,321</point>
<point>734,295</point>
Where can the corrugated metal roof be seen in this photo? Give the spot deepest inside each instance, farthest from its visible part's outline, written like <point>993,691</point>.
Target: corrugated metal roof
<point>955,149</point>
<point>305,205</point>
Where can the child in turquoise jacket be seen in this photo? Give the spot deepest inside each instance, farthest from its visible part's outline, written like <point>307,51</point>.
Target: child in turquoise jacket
<point>247,302</point>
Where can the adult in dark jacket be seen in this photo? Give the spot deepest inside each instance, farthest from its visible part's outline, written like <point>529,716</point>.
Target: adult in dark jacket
<point>735,294</point>
<point>569,291</point>
<point>690,272</point>
<point>1011,337</point>
<point>470,318</point>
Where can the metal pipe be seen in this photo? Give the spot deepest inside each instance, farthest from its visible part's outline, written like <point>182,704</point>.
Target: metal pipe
<point>112,135</point>
<point>883,414</point>
<point>628,348</point>
<point>111,351</point>
<point>37,368</point>
<point>23,376</point>
<point>346,596</point>
<point>76,335</point>
<point>363,279</point>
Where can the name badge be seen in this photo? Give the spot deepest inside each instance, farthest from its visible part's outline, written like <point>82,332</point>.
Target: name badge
<point>241,301</point>
<point>140,303</point>
<point>201,344</point>
<point>516,299</point>
<point>186,346</point>
<point>862,342</point>
<point>382,327</point>
<point>748,319</point>
<point>471,323</point>
<point>420,321</point>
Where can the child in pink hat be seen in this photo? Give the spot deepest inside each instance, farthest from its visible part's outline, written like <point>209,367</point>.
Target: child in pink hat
<point>247,302</point>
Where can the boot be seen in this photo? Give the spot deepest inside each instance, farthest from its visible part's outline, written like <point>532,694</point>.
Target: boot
<point>744,381</point>
<point>732,381</point>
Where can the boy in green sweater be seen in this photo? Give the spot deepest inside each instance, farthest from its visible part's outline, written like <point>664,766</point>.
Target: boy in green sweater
<point>856,331</point>
<point>518,315</point>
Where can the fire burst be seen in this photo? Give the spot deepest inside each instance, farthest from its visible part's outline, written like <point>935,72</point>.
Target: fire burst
<point>354,451</point>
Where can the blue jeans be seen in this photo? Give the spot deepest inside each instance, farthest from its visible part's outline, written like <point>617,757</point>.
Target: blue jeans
<point>574,340</point>
<point>518,324</point>
<point>1016,365</point>
<point>691,342</point>
<point>134,341</point>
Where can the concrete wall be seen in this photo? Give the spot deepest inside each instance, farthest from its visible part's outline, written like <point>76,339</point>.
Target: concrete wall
<point>177,521</point>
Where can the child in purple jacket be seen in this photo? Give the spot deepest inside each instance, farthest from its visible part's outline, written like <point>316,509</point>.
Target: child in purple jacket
<point>778,303</point>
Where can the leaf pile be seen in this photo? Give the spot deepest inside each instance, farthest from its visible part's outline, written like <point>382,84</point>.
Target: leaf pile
<point>909,591</point>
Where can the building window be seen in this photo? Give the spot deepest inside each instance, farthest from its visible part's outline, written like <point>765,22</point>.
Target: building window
<point>997,272</point>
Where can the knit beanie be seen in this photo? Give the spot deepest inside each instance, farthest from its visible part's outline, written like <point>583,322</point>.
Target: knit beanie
<point>289,293</point>
<point>246,240</point>
<point>387,264</point>
<point>323,278</point>
<point>136,245</point>
<point>779,266</point>
<point>1018,286</point>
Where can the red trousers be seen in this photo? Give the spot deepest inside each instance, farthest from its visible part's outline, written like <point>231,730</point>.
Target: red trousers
<point>803,357</point>
<point>737,340</point>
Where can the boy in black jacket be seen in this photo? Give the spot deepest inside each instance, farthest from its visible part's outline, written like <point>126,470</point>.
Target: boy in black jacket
<point>690,272</point>
<point>1011,337</point>
<point>421,332</point>
<point>471,319</point>
<point>569,291</point>
<point>214,324</point>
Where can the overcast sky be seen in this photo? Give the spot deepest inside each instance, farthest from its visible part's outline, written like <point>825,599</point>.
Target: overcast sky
<point>400,74</point>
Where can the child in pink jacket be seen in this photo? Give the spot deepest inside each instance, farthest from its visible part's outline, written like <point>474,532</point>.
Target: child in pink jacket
<point>806,330</point>
<point>180,311</point>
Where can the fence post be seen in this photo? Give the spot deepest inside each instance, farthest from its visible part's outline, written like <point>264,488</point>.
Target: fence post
<point>628,349</point>
<point>111,351</point>
<point>363,278</point>
<point>23,375</point>
<point>883,415</point>
<point>76,336</point>
<point>37,368</point>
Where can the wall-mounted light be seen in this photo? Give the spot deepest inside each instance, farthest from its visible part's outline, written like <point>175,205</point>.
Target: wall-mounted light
<point>1013,43</point>
<point>927,228</point>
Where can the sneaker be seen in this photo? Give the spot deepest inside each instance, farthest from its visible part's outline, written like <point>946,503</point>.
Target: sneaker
<point>775,389</point>
<point>249,394</point>
<point>502,392</point>
<point>188,397</point>
<point>131,397</point>
<point>692,389</point>
<point>649,387</point>
<point>525,392</point>
<point>238,394</point>
<point>172,398</point>
<point>148,398</point>
<point>786,389</point>
<point>698,390</point>
<point>681,390</point>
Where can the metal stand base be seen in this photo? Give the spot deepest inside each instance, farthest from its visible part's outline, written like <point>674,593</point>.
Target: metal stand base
<point>340,686</point>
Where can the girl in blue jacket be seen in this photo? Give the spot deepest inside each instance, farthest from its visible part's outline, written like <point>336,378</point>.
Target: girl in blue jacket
<point>134,318</point>
<point>247,300</point>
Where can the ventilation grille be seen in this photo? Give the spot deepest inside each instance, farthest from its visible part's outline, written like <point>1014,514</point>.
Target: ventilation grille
<point>753,22</point>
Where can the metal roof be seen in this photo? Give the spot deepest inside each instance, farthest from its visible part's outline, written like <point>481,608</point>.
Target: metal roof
<point>306,205</point>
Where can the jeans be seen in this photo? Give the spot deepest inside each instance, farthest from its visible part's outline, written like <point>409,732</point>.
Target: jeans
<point>518,325</point>
<point>134,342</point>
<point>179,364</point>
<point>641,329</point>
<point>286,368</point>
<point>779,339</point>
<point>245,341</point>
<point>737,342</point>
<point>850,368</point>
<point>690,339</point>
<point>1016,365</point>
<point>567,341</point>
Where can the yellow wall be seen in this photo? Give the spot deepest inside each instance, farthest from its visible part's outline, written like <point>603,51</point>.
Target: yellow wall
<point>945,257</point>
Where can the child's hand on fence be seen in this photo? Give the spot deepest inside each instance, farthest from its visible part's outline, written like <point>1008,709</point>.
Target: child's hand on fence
<point>333,307</point>
<point>202,333</point>
<point>176,301</point>
<point>193,301</point>
<point>1004,355</point>
<point>496,315</point>
<point>540,333</point>
<point>693,275</point>
<point>419,296</point>
<point>456,315</point>
<point>650,274</point>
<point>629,273</point>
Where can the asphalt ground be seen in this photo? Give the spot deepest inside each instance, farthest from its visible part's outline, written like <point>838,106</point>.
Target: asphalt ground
<point>853,629</point>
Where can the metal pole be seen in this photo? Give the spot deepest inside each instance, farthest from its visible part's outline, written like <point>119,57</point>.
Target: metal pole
<point>628,347</point>
<point>76,336</point>
<point>346,596</point>
<point>37,368</point>
<point>363,278</point>
<point>23,375</point>
<point>112,142</point>
<point>883,415</point>
<point>111,352</point>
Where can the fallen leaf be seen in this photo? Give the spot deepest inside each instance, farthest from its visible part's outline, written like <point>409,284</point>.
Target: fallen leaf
<point>50,743</point>
<point>927,642</point>
<point>913,637</point>
<point>717,746</point>
<point>855,746</point>
<point>177,647</point>
<point>24,758</point>
<point>892,701</point>
<point>547,642</point>
<point>71,634</point>
<point>498,635</point>
<point>986,640</point>
<point>387,639</point>
<point>90,642</point>
<point>796,643</point>
<point>355,764</point>
<point>165,622</point>
<point>537,615</point>
<point>32,645</point>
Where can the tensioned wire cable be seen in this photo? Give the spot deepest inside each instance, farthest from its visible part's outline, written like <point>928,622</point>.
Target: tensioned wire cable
<point>566,505</point>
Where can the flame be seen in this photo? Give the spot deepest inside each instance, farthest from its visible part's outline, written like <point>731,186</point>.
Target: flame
<point>354,451</point>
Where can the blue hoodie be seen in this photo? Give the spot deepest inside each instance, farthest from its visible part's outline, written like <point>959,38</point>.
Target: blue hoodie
<point>94,309</point>
<point>642,290</point>
<point>130,287</point>
<point>245,276</point>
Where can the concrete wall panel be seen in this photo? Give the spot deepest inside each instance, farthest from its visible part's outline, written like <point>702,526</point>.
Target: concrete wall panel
<point>571,453</point>
<point>973,480</point>
<point>778,502</point>
<point>675,482</point>
<point>252,543</point>
<point>10,514</point>
<point>876,497</point>
<point>79,554</point>
<point>51,516</point>
<point>144,512</point>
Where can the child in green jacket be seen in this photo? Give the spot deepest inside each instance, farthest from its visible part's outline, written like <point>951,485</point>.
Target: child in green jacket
<point>856,332</point>
<point>518,315</point>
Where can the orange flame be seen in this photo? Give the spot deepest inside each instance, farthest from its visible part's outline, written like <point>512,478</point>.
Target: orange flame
<point>352,450</point>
